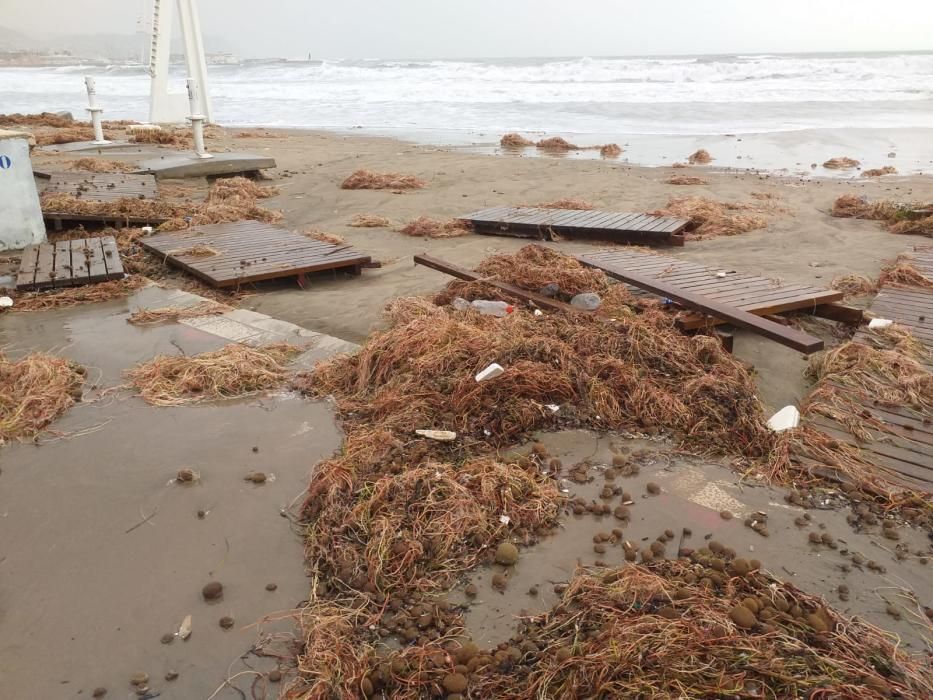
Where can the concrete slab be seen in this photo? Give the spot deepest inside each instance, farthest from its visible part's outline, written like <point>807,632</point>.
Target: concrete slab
<point>82,146</point>
<point>188,165</point>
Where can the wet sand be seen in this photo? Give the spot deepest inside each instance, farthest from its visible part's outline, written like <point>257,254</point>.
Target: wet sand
<point>103,552</point>
<point>693,492</point>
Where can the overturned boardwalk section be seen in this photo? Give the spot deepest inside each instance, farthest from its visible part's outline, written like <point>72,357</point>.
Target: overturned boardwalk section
<point>228,255</point>
<point>69,263</point>
<point>741,300</point>
<point>544,224</point>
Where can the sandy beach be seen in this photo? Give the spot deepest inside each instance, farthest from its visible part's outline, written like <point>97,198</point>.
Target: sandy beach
<point>136,589</point>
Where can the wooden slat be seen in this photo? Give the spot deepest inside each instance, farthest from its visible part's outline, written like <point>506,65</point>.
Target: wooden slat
<point>743,319</point>
<point>538,300</point>
<point>541,223</point>
<point>250,251</point>
<point>26,277</point>
<point>65,264</point>
<point>103,187</point>
<point>79,260</point>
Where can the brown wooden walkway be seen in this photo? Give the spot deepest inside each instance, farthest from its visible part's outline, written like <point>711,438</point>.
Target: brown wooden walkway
<point>250,251</point>
<point>901,438</point>
<point>103,187</point>
<point>532,222</point>
<point>756,295</point>
<point>69,263</point>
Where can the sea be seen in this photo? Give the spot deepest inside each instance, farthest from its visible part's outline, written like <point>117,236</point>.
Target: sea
<point>779,105</point>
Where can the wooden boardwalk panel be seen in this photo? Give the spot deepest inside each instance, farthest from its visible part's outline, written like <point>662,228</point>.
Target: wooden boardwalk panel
<point>756,295</point>
<point>534,222</point>
<point>69,263</point>
<point>250,251</point>
<point>103,187</point>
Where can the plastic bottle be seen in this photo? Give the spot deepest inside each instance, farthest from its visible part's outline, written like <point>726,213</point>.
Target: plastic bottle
<point>492,308</point>
<point>460,304</point>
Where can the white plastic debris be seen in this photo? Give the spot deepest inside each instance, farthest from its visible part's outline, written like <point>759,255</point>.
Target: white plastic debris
<point>442,435</point>
<point>147,230</point>
<point>5,302</point>
<point>552,407</point>
<point>876,323</point>
<point>460,304</point>
<point>721,273</point>
<point>184,630</point>
<point>539,312</point>
<point>788,417</point>
<point>504,519</point>
<point>494,370</point>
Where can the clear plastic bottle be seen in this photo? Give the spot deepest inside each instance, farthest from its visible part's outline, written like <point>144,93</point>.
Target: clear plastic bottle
<point>492,308</point>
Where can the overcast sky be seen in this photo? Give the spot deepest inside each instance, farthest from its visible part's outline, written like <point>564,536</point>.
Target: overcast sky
<point>499,28</point>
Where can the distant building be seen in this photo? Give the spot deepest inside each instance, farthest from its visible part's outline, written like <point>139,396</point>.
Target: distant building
<point>222,59</point>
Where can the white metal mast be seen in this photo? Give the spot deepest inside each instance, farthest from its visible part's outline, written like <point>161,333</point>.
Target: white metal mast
<point>173,107</point>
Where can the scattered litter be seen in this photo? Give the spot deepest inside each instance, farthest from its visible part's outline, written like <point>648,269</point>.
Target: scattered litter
<point>184,630</point>
<point>876,323</point>
<point>788,417</point>
<point>493,370</point>
<point>588,301</point>
<point>504,519</point>
<point>440,435</point>
<point>5,302</point>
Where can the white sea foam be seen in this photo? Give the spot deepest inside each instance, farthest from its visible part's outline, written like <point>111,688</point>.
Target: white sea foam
<point>674,95</point>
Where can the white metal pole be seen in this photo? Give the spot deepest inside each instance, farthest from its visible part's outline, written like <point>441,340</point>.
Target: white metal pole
<point>195,58</point>
<point>197,120</point>
<point>95,111</point>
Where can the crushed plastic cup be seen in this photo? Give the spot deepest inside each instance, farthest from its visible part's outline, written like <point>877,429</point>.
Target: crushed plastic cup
<point>5,302</point>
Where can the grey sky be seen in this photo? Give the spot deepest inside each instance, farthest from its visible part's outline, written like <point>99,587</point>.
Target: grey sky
<point>497,28</point>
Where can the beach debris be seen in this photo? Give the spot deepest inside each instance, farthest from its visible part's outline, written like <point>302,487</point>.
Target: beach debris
<point>272,587</point>
<point>324,236</point>
<point>490,372</point>
<point>610,150</point>
<point>507,554</point>
<point>184,629</point>
<point>699,157</point>
<point>369,221</point>
<point>233,371</point>
<point>212,590</point>
<point>5,302</point>
<point>513,140</point>
<point>877,323</point>
<point>710,218</point>
<point>171,675</point>
<point>226,622</point>
<point>99,692</point>
<point>101,165</point>
<point>841,163</point>
<point>369,180</point>
<point>195,251</point>
<point>686,180</point>
<point>785,419</point>
<point>564,203</point>
<point>679,164</point>
<point>854,285</point>
<point>274,676</point>
<point>485,307</point>
<point>256,477</point>
<point>186,476</point>
<point>903,273</point>
<point>139,678</point>
<point>34,391</point>
<point>587,301</point>
<point>439,435</point>
<point>435,228</point>
<point>163,137</point>
<point>879,172</point>
<point>228,189</point>
<point>165,314</point>
<point>556,143</point>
